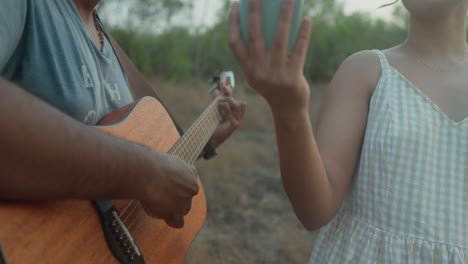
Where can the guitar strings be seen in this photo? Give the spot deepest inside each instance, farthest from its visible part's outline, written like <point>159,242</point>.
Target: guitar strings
<point>189,137</point>
<point>179,146</point>
<point>191,155</point>
<point>131,203</point>
<point>136,204</point>
<point>182,145</point>
<point>130,225</point>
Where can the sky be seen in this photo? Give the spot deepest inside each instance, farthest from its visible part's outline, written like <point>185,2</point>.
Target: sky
<point>205,10</point>
<point>350,6</point>
<point>368,6</point>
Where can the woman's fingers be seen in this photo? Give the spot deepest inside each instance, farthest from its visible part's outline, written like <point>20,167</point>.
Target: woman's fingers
<point>298,57</point>
<point>235,39</point>
<point>256,42</point>
<point>281,41</point>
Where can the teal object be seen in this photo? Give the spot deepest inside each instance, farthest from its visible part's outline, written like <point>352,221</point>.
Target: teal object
<point>270,15</point>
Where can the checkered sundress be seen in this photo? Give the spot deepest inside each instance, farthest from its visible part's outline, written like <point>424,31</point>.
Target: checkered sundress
<point>408,202</point>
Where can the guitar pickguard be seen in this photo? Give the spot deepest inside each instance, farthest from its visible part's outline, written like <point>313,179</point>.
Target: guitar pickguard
<point>118,239</point>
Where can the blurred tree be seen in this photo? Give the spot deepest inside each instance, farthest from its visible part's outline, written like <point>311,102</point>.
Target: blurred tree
<point>162,38</point>
<point>147,15</point>
<point>401,16</point>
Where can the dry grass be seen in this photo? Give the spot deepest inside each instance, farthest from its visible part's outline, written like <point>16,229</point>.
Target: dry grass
<point>249,216</point>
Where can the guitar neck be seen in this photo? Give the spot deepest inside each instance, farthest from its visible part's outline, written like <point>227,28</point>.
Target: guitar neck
<point>191,144</point>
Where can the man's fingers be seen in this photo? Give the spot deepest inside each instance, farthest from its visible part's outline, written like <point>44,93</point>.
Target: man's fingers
<point>237,113</point>
<point>187,207</point>
<point>194,188</point>
<point>243,108</point>
<point>215,94</point>
<point>233,119</point>
<point>237,108</point>
<point>227,90</point>
<point>175,221</point>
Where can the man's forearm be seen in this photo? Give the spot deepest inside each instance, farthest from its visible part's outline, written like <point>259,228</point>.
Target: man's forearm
<point>45,154</point>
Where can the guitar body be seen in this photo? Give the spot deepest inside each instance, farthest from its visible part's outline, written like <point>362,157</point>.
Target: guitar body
<point>70,231</point>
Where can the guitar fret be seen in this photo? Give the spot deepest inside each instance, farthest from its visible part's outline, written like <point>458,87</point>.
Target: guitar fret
<point>192,143</point>
<point>197,141</point>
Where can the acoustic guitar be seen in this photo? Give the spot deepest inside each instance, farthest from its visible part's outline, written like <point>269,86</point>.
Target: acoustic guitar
<point>118,231</point>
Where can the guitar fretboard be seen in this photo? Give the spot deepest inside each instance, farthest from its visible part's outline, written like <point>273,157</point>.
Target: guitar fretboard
<point>191,144</point>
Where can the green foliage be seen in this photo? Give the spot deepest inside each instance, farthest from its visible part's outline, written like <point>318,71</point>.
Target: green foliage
<point>180,53</point>
<point>334,41</point>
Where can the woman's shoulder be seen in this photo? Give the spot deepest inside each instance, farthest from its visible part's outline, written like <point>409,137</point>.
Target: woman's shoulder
<point>362,68</point>
<point>363,62</point>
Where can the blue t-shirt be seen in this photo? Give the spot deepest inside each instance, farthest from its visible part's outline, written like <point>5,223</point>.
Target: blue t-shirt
<point>45,48</point>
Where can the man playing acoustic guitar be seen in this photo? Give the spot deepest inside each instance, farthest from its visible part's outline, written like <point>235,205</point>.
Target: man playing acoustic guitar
<point>60,76</point>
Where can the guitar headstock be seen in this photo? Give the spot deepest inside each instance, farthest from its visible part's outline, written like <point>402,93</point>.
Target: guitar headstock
<point>226,77</point>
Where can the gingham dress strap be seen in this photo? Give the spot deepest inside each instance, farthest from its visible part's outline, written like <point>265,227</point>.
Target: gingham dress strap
<point>383,60</point>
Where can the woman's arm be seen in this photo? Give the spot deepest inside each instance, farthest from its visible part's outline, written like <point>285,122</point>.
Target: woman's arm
<point>315,170</point>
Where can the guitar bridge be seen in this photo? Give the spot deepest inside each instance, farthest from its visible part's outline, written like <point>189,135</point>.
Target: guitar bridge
<point>118,238</point>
